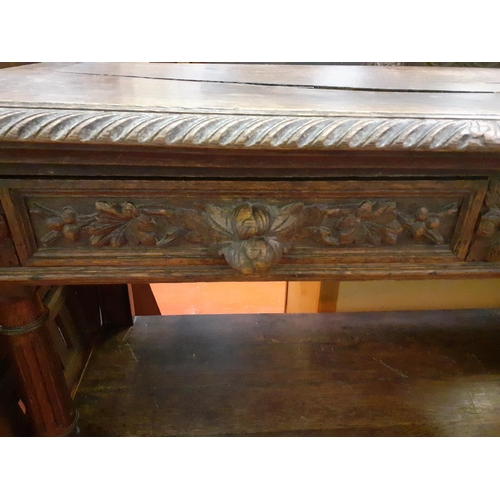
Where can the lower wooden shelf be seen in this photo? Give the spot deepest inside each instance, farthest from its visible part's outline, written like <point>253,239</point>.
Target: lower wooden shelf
<point>434,373</point>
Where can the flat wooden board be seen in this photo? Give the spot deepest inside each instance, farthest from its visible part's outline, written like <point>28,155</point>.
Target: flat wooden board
<point>260,89</point>
<point>366,374</point>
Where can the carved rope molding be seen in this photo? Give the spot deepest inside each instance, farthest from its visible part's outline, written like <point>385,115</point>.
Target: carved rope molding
<point>252,237</point>
<point>246,131</point>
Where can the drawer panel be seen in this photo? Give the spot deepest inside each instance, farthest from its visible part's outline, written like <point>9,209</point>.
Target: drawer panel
<point>254,227</point>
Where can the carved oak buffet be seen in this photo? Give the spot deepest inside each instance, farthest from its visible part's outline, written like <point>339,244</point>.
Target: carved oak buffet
<point>127,173</point>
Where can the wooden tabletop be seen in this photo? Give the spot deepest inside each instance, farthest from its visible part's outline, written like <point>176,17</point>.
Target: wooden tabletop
<point>289,89</point>
<point>304,98</point>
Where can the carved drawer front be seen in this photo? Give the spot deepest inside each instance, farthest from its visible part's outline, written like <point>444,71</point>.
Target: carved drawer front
<point>246,227</point>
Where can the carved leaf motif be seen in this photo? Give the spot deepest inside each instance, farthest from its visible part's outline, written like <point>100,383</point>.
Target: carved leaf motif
<point>372,223</point>
<point>116,225</point>
<point>253,236</point>
<point>253,255</point>
<point>287,219</point>
<point>219,219</point>
<point>323,235</point>
<point>251,220</point>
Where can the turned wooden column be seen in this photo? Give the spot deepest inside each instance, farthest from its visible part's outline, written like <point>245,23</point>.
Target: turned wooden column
<point>36,368</point>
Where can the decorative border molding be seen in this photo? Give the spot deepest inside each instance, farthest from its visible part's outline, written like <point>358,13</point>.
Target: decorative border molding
<point>246,131</point>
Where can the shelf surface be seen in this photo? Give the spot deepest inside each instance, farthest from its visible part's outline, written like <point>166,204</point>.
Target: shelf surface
<point>422,373</point>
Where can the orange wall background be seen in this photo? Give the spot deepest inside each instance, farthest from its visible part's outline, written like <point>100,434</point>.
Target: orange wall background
<point>277,297</point>
<point>220,298</point>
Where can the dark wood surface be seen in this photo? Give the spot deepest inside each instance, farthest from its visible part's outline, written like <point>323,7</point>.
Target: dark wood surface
<point>168,87</point>
<point>35,365</point>
<point>317,76</point>
<point>234,172</point>
<point>371,374</point>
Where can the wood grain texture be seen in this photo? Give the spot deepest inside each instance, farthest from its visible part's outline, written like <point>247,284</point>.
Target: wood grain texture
<point>36,368</point>
<point>129,162</point>
<point>51,86</point>
<point>373,374</point>
<point>19,224</point>
<point>318,76</point>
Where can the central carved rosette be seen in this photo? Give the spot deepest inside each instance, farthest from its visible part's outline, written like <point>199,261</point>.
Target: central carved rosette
<point>252,236</point>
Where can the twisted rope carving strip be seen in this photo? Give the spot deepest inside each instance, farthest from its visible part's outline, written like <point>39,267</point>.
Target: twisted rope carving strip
<point>245,131</point>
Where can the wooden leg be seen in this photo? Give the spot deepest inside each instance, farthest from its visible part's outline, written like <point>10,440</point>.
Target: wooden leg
<point>35,365</point>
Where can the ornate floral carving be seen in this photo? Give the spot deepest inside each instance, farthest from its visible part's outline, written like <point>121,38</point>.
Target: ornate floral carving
<point>246,131</point>
<point>118,224</point>
<point>8,254</point>
<point>253,237</point>
<point>371,223</point>
<point>486,245</point>
<point>113,225</point>
<point>425,225</point>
